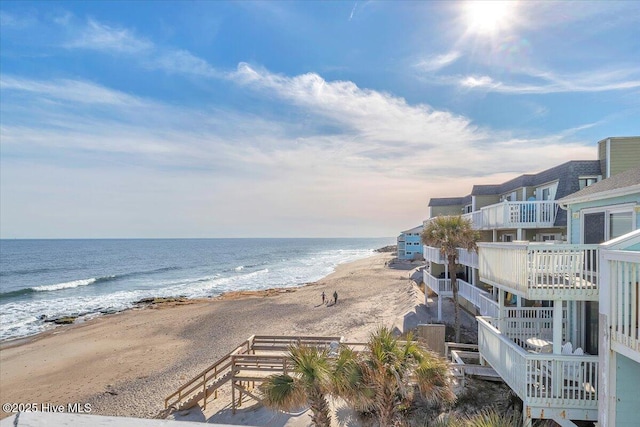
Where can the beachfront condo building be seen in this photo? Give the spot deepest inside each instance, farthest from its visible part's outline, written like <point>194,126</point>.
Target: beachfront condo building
<point>410,244</point>
<point>536,283</point>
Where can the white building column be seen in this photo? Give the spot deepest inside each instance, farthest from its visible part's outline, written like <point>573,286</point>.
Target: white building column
<point>557,326</point>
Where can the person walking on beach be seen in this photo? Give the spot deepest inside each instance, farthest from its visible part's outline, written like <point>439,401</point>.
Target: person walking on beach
<point>323,297</point>
<point>335,297</point>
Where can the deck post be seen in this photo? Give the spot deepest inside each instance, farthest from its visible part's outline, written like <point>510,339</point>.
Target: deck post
<point>439,308</point>
<point>557,326</point>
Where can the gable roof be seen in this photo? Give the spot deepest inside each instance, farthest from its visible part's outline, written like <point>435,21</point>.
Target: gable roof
<point>626,182</point>
<point>414,230</point>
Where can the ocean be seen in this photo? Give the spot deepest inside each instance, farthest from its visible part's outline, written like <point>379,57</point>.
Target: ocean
<point>48,279</point>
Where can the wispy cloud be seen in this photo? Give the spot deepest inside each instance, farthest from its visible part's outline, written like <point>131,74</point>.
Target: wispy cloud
<point>69,90</point>
<point>437,62</point>
<point>99,36</point>
<point>353,11</point>
<point>12,21</point>
<point>548,82</point>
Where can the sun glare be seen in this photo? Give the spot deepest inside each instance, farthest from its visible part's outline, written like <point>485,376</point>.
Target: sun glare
<point>488,17</point>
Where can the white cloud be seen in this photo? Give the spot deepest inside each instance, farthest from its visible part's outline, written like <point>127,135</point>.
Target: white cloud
<point>98,36</point>
<point>548,82</point>
<point>69,90</point>
<point>183,62</point>
<point>380,153</point>
<point>437,62</point>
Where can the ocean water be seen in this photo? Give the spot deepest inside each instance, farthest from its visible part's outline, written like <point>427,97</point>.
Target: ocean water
<point>54,278</point>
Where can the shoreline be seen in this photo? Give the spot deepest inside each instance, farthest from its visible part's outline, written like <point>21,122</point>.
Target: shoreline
<point>87,317</point>
<point>125,363</point>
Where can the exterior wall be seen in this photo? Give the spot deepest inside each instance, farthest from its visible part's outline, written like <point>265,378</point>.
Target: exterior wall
<point>627,397</point>
<point>602,156</point>
<point>413,246</point>
<point>482,201</point>
<point>576,208</point>
<point>624,154</point>
<point>445,210</point>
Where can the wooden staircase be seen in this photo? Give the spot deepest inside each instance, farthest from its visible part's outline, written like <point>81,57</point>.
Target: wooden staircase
<point>250,362</point>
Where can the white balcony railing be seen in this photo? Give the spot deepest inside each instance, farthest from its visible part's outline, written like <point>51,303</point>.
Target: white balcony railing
<point>442,287</point>
<point>542,380</point>
<point>471,293</point>
<point>468,258</point>
<point>624,287</point>
<point>520,323</point>
<point>541,271</point>
<point>487,306</point>
<point>531,214</point>
<point>432,254</point>
<point>475,218</point>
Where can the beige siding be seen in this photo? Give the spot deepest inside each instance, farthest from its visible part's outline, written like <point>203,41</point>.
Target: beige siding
<point>602,156</point>
<point>446,210</point>
<point>625,154</point>
<point>482,201</point>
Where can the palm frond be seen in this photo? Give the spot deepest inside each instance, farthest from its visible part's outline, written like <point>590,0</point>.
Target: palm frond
<point>283,392</point>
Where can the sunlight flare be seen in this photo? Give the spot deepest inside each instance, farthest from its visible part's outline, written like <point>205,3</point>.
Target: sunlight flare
<point>489,17</point>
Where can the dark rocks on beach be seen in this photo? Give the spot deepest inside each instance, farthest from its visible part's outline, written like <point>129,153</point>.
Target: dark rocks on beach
<point>157,300</point>
<point>390,248</point>
<point>66,320</point>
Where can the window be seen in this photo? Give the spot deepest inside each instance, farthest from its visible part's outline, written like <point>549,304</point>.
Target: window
<point>620,223</point>
<point>600,225</point>
<point>585,181</point>
<point>548,192</point>
<point>549,237</point>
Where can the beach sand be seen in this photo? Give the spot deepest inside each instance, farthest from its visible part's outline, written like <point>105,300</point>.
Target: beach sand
<point>127,363</point>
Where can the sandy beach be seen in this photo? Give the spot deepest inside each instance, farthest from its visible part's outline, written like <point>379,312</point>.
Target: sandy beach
<point>125,364</point>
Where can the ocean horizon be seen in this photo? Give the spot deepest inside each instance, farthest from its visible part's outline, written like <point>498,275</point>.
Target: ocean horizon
<point>44,279</point>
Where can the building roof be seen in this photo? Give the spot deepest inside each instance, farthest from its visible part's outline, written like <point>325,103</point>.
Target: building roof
<point>621,183</point>
<point>413,230</point>
<point>567,174</point>
<point>446,201</point>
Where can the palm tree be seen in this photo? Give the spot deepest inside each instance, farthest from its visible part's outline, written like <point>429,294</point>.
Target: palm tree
<point>384,377</point>
<point>450,233</point>
<point>309,384</point>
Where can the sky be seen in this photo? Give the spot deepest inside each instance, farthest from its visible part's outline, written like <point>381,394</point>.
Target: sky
<point>160,119</point>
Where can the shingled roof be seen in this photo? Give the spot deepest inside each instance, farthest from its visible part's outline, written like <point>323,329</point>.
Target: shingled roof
<point>627,180</point>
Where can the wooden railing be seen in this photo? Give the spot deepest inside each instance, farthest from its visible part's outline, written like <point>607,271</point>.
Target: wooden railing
<point>475,218</point>
<point>468,258</point>
<point>487,306</point>
<point>541,271</point>
<point>432,254</point>
<point>544,380</point>
<point>442,287</point>
<point>249,361</point>
<point>530,214</point>
<point>471,293</point>
<point>624,288</point>
<point>201,382</point>
<point>521,323</point>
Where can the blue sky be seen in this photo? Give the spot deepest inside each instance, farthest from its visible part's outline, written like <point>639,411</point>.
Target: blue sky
<point>294,119</point>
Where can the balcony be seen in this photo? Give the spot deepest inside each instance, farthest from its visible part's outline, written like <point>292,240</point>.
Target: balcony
<point>468,258</point>
<point>477,297</point>
<point>622,275</point>
<point>541,271</point>
<point>475,218</point>
<point>432,254</point>
<point>550,385</point>
<point>531,214</point>
<point>442,287</point>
